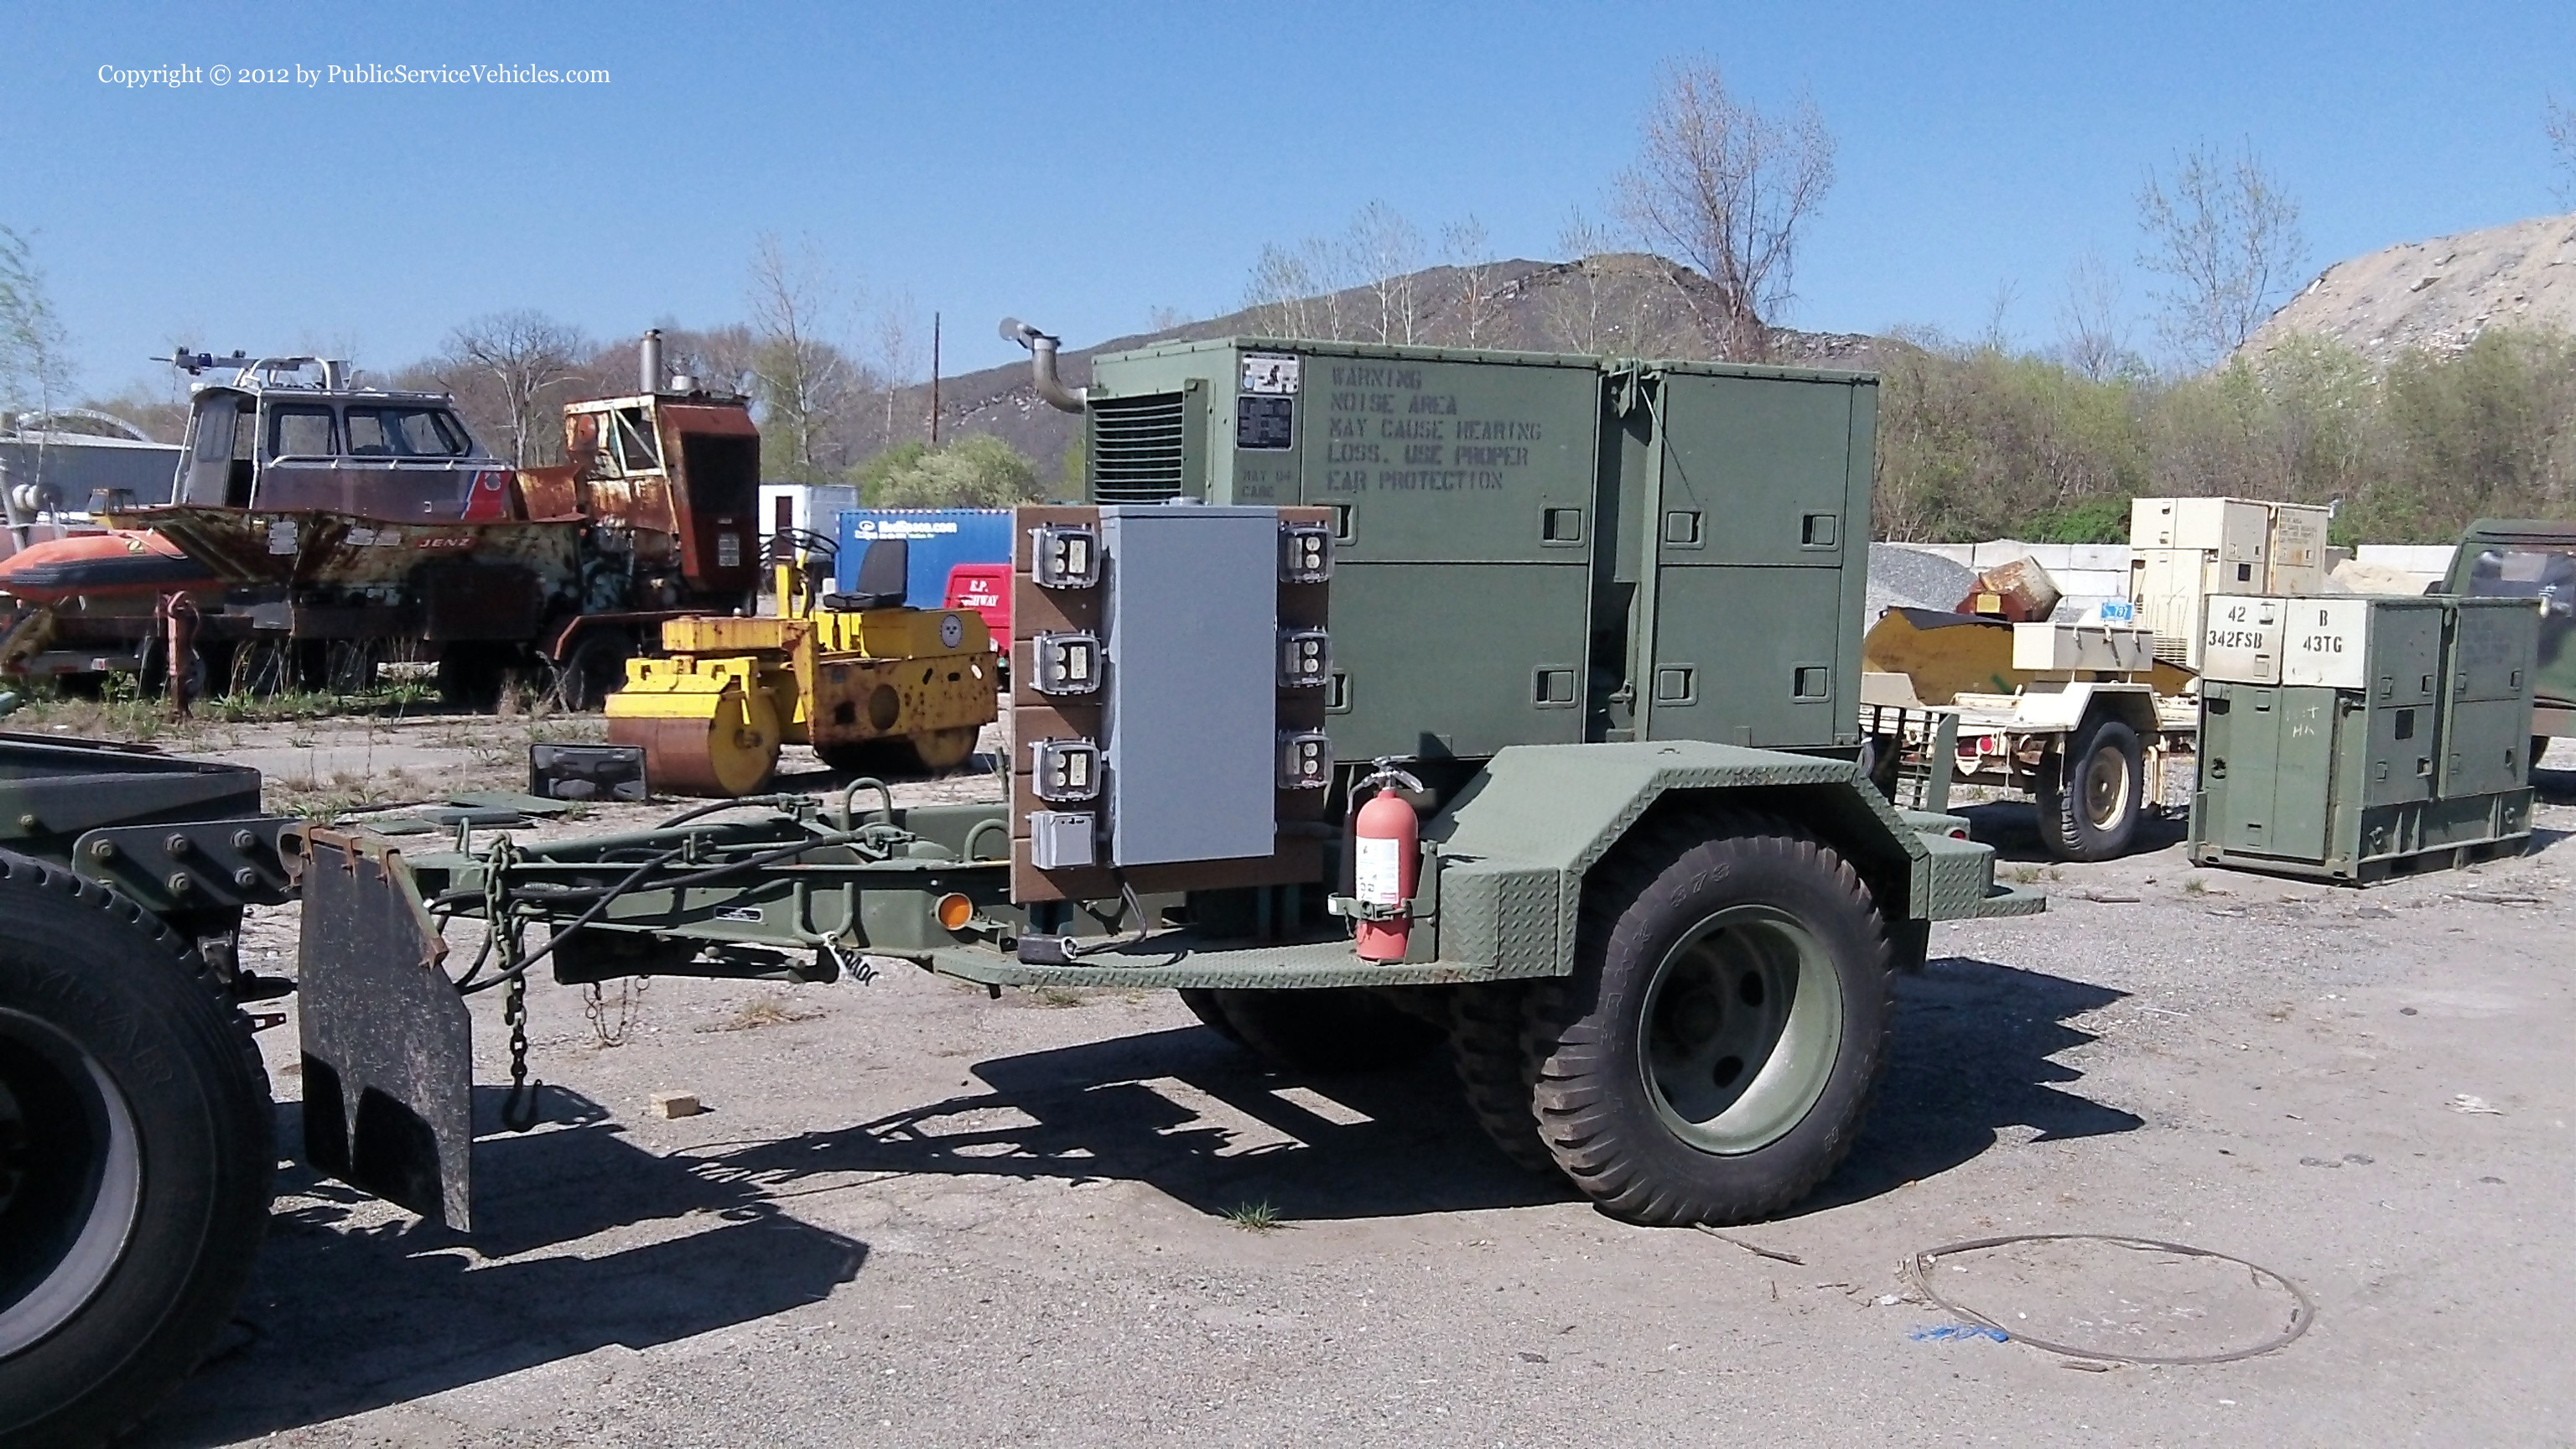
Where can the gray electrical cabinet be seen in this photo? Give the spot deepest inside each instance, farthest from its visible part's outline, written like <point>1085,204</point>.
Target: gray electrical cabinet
<point>1190,618</point>
<point>1171,667</point>
<point>2352,738</point>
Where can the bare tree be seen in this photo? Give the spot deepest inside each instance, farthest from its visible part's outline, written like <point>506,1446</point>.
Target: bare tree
<point>1997,336</point>
<point>2092,340</point>
<point>804,382</point>
<point>35,352</point>
<point>2227,238</point>
<point>1576,304</point>
<point>1727,189</point>
<point>524,354</point>
<point>35,355</point>
<point>1468,249</point>
<point>1386,250</point>
<point>1296,291</point>
<point>2558,122</point>
<point>895,334</point>
<point>719,356</point>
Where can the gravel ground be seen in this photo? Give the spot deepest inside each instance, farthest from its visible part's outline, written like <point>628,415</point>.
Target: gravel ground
<point>916,1216</point>
<point>1901,577</point>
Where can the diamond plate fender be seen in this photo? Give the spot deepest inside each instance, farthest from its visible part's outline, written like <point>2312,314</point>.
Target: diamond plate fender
<point>1516,843</point>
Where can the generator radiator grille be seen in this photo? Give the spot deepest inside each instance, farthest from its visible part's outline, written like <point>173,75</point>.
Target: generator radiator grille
<point>1138,448</point>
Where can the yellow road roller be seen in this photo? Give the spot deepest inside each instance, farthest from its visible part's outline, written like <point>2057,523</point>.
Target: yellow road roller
<point>870,684</point>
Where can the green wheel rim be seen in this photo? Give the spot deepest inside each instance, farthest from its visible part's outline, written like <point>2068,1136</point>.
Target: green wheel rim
<point>1742,1025</point>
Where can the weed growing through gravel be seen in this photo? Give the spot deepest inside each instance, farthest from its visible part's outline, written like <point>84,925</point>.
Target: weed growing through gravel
<point>1255,1217</point>
<point>770,1009</point>
<point>1057,996</point>
<point>2195,886</point>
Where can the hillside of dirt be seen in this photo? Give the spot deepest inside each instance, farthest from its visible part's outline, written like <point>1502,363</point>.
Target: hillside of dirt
<point>2437,295</point>
<point>1622,304</point>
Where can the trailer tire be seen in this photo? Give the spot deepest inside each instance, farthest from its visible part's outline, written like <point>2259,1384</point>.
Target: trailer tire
<point>2090,799</point>
<point>1711,1056</point>
<point>593,670</point>
<point>1493,1071</point>
<point>1325,1029</point>
<point>1203,1005</point>
<point>136,1156</point>
<point>473,672</point>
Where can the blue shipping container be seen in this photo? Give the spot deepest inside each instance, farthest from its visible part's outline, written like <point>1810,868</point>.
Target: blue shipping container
<point>941,538</point>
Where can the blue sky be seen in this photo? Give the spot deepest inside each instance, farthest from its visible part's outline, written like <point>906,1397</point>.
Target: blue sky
<point>1085,165</point>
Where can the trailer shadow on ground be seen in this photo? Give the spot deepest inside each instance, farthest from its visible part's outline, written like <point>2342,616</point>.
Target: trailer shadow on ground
<point>356,1307</point>
<point>1198,1120</point>
<point>1975,1050</point>
<point>2012,828</point>
<point>350,1312</point>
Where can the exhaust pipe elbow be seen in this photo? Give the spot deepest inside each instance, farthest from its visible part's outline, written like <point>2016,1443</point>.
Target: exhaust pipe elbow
<point>1042,373</point>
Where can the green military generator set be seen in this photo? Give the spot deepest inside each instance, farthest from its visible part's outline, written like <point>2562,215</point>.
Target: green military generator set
<point>2355,738</point>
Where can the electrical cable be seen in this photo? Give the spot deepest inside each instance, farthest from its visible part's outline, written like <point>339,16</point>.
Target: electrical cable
<point>2302,1313</point>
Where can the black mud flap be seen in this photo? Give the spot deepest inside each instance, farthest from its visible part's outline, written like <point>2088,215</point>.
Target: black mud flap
<point>388,1045</point>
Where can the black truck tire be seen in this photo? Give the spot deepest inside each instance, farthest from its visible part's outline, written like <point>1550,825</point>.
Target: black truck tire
<point>136,1157</point>
<point>2090,798</point>
<point>1203,1005</point>
<point>1328,1029</point>
<point>1493,1071</point>
<point>1711,1056</point>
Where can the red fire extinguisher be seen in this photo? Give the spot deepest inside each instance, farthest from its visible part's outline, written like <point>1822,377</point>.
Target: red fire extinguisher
<point>1386,845</point>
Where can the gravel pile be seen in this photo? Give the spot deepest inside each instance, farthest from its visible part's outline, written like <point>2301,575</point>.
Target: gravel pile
<point>1906,578</point>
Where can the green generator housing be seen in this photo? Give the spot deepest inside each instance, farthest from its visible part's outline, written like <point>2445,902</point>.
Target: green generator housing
<point>2355,738</point>
<point>1534,549</point>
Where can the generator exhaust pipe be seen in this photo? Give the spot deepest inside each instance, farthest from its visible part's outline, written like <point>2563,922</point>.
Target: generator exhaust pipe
<point>649,361</point>
<point>1042,372</point>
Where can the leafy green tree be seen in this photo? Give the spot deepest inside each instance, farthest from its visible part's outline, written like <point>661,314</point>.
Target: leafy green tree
<point>974,472</point>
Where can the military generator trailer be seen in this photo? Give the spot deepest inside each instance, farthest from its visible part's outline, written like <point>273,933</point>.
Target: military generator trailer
<point>1650,906</point>
<point>2353,738</point>
<point>2081,716</point>
<point>2533,560</point>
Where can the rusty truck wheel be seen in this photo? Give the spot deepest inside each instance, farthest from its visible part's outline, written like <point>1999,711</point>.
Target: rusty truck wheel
<point>135,1159</point>
<point>1711,1056</point>
<point>2090,798</point>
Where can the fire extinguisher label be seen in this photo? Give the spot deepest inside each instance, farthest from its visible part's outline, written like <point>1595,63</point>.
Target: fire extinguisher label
<point>1376,873</point>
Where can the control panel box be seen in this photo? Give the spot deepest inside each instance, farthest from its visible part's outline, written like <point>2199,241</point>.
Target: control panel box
<point>1164,652</point>
<point>1191,616</point>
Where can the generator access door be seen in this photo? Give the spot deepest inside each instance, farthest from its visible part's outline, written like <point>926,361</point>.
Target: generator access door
<point>1758,522</point>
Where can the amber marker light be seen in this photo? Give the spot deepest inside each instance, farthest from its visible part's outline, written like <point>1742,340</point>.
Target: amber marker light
<point>954,911</point>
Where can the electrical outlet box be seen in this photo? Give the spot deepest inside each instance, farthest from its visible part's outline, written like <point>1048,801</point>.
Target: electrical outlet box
<point>1064,769</point>
<point>1062,839</point>
<point>1065,664</point>
<point>1305,658</point>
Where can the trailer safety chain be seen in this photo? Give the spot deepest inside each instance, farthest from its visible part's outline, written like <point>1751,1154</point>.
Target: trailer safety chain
<point>630,1001</point>
<point>519,1108</point>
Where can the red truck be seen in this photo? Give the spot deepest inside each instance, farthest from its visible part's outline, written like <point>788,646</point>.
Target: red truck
<point>986,589</point>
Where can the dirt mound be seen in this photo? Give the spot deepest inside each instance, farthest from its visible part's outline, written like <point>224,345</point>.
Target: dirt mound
<point>1626,304</point>
<point>2437,295</point>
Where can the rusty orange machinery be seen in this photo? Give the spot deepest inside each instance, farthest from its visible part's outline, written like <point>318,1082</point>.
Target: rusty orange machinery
<point>872,690</point>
